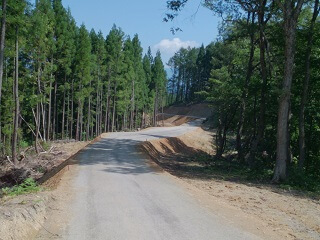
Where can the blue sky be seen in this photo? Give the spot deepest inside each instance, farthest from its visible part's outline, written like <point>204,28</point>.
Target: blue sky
<point>144,17</point>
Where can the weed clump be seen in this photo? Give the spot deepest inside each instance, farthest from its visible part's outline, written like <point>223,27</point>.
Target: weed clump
<point>29,185</point>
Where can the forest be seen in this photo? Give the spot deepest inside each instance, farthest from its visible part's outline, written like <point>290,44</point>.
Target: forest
<point>261,77</point>
<point>61,81</point>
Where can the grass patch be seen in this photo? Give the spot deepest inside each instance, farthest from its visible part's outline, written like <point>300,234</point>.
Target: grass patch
<point>28,186</point>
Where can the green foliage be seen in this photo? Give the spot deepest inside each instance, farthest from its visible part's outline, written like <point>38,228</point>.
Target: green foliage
<point>23,144</point>
<point>228,73</point>
<point>28,186</point>
<point>73,83</point>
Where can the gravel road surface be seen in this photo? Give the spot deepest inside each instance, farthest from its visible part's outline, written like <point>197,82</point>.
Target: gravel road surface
<point>119,196</point>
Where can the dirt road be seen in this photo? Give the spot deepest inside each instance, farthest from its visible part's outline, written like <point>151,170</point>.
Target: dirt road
<point>118,195</point>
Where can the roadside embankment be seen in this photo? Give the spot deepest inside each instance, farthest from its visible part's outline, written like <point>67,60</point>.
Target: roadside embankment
<point>21,217</point>
<point>287,214</point>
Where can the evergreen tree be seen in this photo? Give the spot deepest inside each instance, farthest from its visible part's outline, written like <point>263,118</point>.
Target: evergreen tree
<point>83,78</point>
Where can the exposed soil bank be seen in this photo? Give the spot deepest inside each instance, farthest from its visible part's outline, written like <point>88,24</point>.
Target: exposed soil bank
<point>180,114</point>
<point>21,217</point>
<point>287,215</point>
<point>199,110</point>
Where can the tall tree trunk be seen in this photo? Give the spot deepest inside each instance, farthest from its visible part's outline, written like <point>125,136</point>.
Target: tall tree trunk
<point>132,106</point>
<point>291,14</point>
<point>78,121</point>
<point>2,43</point>
<point>54,110</point>
<point>97,108</point>
<point>68,114</point>
<point>81,123</point>
<point>136,118</point>
<point>245,88</point>
<point>101,110</point>
<point>106,123</point>
<point>263,69</point>
<point>304,97</point>
<point>155,106</point>
<point>88,120</point>
<point>36,118</point>
<point>71,114</point>
<point>63,111</point>
<point>124,123</point>
<point>43,111</point>
<point>114,106</point>
<point>16,100</point>
<point>50,103</point>
<point>42,114</point>
<point>88,117</point>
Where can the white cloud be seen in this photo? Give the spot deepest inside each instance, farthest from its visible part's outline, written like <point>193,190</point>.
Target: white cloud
<point>168,46</point>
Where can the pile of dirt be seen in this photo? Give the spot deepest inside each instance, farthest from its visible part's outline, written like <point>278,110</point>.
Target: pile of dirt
<point>37,165</point>
<point>179,152</point>
<point>288,214</point>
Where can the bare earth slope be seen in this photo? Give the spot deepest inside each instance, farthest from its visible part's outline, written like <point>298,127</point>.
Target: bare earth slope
<point>289,216</point>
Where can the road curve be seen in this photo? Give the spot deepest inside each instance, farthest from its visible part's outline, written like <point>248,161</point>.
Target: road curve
<point>120,197</point>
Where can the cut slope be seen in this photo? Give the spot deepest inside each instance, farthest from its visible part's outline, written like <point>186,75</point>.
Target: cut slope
<point>180,114</point>
<point>199,110</point>
<point>281,212</point>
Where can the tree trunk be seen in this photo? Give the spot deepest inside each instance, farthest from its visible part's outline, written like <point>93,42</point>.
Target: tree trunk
<point>63,111</point>
<point>114,106</point>
<point>68,114</point>
<point>36,118</point>
<point>304,97</point>
<point>39,93</point>
<point>263,68</point>
<point>71,114</point>
<point>78,121</point>
<point>101,110</point>
<point>16,100</point>
<point>245,88</point>
<point>88,117</point>
<point>155,109</point>
<point>132,106</point>
<point>54,111</point>
<point>291,13</point>
<point>50,103</point>
<point>2,43</point>
<point>81,123</point>
<point>97,109</point>
<point>88,120</point>
<point>106,123</point>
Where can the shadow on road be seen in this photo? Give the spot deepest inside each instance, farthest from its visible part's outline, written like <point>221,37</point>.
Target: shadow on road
<point>120,156</point>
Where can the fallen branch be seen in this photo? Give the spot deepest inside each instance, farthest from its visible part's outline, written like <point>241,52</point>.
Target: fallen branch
<point>8,158</point>
<point>25,151</point>
<point>37,124</point>
<point>28,125</point>
<point>46,151</point>
<point>39,145</point>
<point>51,149</point>
<point>56,153</point>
